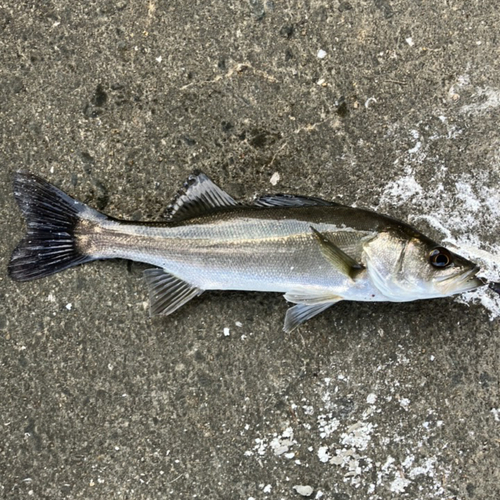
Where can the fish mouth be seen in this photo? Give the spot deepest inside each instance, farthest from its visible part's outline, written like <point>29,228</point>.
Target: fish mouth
<point>465,281</point>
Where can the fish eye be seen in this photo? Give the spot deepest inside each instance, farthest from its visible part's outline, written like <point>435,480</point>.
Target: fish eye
<point>440,257</point>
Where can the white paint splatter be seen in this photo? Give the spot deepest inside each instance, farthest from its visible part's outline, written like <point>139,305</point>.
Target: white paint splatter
<point>488,99</point>
<point>399,484</point>
<point>327,425</point>
<point>388,463</point>
<point>426,469</point>
<point>347,448</point>
<point>305,491</point>
<point>418,144</point>
<point>398,192</point>
<point>404,402</point>
<point>323,454</point>
<point>282,444</point>
<point>279,444</point>
<point>408,461</point>
<point>461,214</point>
<point>308,409</point>
<point>358,435</point>
<point>275,178</point>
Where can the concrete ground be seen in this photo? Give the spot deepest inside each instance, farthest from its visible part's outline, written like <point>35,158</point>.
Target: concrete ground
<point>391,105</point>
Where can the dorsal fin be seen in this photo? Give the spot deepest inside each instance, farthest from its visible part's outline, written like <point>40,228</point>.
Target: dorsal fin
<point>198,197</point>
<point>291,200</point>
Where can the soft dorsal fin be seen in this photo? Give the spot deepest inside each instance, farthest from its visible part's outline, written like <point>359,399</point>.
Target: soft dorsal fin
<point>291,200</point>
<point>199,197</point>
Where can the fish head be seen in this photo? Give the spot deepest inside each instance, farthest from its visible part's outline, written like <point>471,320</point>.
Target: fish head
<point>405,265</point>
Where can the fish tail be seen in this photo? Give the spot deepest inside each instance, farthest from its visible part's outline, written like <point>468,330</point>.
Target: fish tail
<point>50,244</point>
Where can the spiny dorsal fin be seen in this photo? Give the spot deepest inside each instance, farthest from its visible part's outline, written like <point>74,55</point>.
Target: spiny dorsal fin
<point>291,200</point>
<point>337,257</point>
<point>199,197</point>
<point>166,292</point>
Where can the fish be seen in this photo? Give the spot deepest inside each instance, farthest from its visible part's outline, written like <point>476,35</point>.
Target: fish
<point>313,251</point>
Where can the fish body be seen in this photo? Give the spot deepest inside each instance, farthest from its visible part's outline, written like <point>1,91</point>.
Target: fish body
<point>313,251</point>
<point>266,250</point>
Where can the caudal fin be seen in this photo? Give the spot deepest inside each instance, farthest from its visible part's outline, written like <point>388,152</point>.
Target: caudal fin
<point>49,245</point>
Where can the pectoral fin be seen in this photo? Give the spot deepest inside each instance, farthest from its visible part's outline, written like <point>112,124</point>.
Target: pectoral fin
<point>337,257</point>
<point>166,292</point>
<point>308,297</point>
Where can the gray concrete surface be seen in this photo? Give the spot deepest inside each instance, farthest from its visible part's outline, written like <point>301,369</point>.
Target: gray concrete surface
<point>116,102</point>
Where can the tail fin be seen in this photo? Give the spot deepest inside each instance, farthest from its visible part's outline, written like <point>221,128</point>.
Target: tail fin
<point>51,216</point>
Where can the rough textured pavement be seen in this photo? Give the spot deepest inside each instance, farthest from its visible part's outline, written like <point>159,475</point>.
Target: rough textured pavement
<point>392,105</point>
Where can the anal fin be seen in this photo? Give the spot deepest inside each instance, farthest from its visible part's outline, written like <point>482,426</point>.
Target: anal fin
<point>166,292</point>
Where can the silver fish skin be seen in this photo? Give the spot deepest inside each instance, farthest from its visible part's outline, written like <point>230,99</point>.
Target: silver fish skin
<point>313,251</point>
